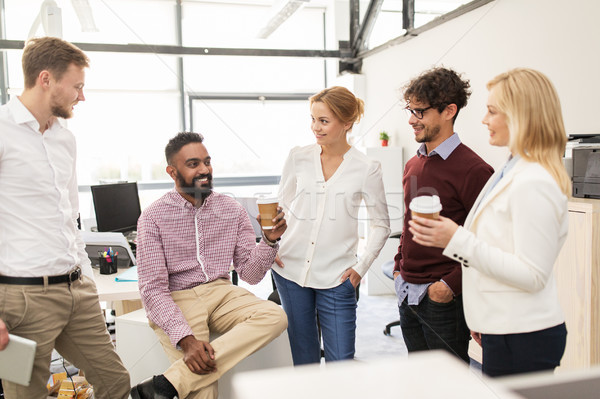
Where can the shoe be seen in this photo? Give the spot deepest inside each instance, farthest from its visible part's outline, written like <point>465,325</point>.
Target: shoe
<point>145,390</point>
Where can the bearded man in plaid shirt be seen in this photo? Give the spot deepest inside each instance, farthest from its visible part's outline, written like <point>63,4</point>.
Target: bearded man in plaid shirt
<point>186,243</point>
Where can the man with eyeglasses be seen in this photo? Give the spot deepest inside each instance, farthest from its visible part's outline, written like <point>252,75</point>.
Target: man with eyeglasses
<point>427,283</point>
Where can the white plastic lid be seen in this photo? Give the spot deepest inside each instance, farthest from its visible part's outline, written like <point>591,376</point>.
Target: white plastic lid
<point>267,200</point>
<point>426,204</point>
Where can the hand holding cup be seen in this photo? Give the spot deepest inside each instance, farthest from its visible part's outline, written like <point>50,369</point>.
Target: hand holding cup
<point>427,226</point>
<point>271,218</point>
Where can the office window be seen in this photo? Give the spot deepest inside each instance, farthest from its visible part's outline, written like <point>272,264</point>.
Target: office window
<point>251,137</point>
<point>122,135</point>
<point>389,21</point>
<point>130,112</point>
<point>133,101</point>
<point>253,74</point>
<point>237,25</point>
<point>117,21</point>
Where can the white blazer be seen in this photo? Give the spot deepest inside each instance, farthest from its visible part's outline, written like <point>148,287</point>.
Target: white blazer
<point>508,247</point>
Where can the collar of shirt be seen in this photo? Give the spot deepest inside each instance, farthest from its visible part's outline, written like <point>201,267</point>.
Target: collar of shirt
<point>443,150</point>
<point>512,160</point>
<point>22,115</point>
<point>347,154</point>
<point>178,200</point>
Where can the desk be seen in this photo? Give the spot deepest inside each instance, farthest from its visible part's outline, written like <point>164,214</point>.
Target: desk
<point>394,377</point>
<point>124,295</point>
<point>110,290</point>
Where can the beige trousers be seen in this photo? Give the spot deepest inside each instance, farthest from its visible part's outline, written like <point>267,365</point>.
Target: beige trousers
<point>245,322</point>
<point>68,318</point>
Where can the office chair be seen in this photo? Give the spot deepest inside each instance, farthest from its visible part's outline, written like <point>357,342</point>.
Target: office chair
<point>388,270</point>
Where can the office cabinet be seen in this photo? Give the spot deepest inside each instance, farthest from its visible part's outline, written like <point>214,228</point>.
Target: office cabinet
<point>577,273</point>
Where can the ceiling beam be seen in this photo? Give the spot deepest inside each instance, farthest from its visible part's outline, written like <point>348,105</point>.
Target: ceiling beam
<point>181,50</point>
<point>365,29</point>
<point>408,14</point>
<point>354,18</point>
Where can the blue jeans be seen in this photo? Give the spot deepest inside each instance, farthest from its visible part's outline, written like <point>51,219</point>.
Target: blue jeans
<point>434,325</point>
<point>523,353</point>
<point>336,308</point>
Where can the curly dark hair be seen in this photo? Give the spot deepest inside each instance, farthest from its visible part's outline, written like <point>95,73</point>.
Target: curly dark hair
<point>439,87</point>
<point>177,143</point>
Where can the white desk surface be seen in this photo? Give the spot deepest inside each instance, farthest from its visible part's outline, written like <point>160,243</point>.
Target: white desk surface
<point>430,374</point>
<point>111,290</point>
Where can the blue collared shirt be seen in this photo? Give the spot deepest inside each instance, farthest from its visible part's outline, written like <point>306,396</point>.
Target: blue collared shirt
<point>512,160</point>
<point>416,292</point>
<point>443,150</point>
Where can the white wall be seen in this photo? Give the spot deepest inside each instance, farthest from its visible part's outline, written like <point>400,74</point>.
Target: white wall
<point>561,39</point>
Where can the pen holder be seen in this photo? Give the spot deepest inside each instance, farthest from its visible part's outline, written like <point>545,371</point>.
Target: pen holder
<point>106,266</point>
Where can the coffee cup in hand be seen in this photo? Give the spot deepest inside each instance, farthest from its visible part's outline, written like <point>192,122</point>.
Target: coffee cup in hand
<point>427,206</point>
<point>267,207</point>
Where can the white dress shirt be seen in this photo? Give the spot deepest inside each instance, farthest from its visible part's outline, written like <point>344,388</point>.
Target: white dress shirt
<point>38,197</point>
<point>321,241</point>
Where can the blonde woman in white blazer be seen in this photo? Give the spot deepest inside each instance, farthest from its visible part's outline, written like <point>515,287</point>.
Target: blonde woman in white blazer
<point>514,232</point>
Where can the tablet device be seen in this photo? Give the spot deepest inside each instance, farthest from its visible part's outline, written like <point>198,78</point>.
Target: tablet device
<point>16,360</point>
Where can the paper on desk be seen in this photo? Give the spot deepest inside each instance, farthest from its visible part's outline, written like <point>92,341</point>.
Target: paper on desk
<point>128,275</point>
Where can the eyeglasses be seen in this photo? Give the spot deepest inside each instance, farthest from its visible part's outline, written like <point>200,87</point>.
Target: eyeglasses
<point>417,112</point>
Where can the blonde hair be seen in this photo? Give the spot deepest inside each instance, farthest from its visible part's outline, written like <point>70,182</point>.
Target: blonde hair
<point>533,114</point>
<point>344,105</point>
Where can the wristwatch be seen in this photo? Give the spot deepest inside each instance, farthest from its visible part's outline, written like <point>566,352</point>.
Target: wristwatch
<point>268,242</point>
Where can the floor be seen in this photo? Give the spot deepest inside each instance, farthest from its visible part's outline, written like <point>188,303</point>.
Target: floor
<point>374,312</point>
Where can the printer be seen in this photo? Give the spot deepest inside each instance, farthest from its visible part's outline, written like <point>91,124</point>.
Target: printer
<point>586,171</point>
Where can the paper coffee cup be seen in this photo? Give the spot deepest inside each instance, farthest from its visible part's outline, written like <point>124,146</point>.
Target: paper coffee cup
<point>267,207</point>
<point>426,207</point>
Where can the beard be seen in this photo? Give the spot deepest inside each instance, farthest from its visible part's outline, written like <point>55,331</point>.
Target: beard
<point>194,188</point>
<point>428,134</point>
<point>59,110</point>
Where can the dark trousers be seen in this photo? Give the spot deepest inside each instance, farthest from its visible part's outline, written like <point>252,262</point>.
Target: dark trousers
<point>434,325</point>
<point>523,353</point>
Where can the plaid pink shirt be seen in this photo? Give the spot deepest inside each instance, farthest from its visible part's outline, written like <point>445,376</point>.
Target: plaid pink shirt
<point>180,246</point>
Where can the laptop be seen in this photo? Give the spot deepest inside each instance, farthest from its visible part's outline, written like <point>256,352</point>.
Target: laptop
<point>16,360</point>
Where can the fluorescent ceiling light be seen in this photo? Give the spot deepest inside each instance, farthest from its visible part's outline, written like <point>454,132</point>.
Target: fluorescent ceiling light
<point>50,18</point>
<point>285,10</point>
<point>85,16</point>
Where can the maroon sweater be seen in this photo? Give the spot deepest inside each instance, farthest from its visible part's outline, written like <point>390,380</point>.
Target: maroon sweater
<point>457,181</point>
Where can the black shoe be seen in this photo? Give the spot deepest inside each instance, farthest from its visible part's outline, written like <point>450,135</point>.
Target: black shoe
<point>145,390</point>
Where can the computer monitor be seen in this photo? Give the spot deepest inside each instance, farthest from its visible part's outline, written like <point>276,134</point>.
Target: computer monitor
<point>117,206</point>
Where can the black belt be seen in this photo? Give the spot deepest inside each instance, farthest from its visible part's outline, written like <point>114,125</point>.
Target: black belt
<point>65,278</point>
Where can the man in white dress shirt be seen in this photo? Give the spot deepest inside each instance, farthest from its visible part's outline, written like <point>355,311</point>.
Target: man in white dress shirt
<point>46,282</point>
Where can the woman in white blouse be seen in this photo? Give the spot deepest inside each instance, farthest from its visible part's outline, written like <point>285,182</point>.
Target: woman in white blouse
<point>322,187</point>
<point>514,232</point>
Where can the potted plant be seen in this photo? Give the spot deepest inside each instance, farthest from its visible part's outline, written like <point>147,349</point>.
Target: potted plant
<point>383,136</point>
